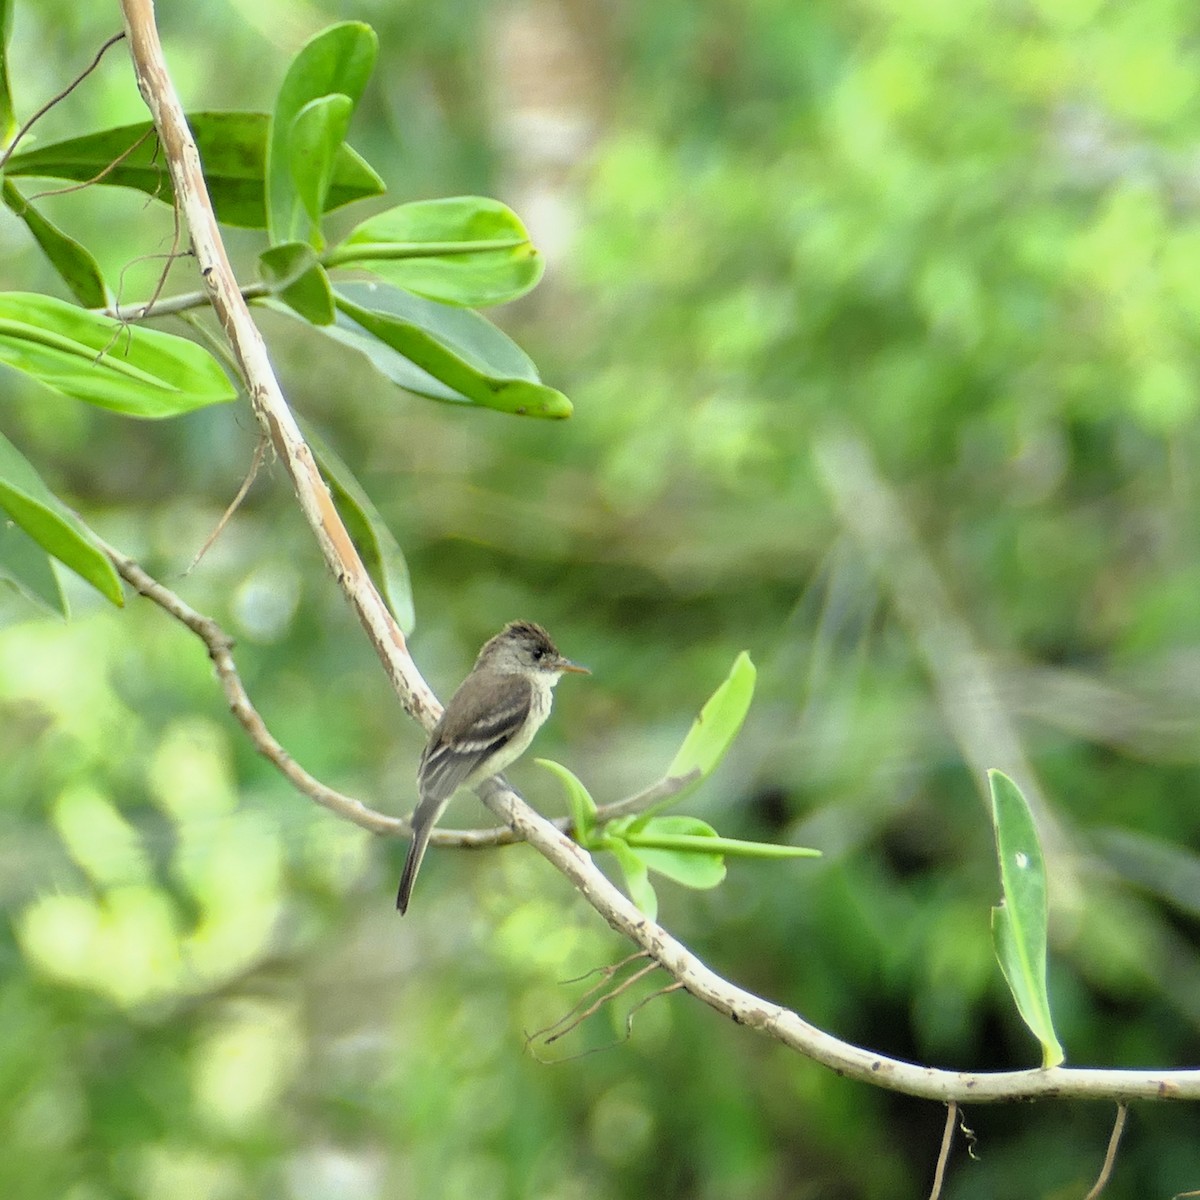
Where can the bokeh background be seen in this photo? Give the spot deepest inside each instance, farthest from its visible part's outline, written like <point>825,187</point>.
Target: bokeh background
<point>880,320</point>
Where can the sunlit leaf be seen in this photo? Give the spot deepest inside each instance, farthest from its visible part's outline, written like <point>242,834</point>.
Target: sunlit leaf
<point>713,731</point>
<point>1019,921</point>
<point>637,876</point>
<point>232,146</point>
<point>139,372</point>
<point>317,132</point>
<point>464,357</point>
<point>465,250</point>
<point>338,60</point>
<point>579,799</point>
<point>74,264</point>
<point>30,503</point>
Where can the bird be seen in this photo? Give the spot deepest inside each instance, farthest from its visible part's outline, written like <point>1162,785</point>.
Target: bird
<point>488,724</point>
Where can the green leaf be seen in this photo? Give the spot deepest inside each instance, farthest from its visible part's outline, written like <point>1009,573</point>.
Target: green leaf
<point>233,148</point>
<point>317,133</point>
<point>337,60</point>
<point>27,566</point>
<point>292,272</point>
<point>465,250</point>
<point>641,833</point>
<point>579,799</point>
<point>682,849</point>
<point>459,356</point>
<point>139,372</point>
<point>1019,921</point>
<point>75,265</point>
<point>713,731</point>
<point>380,552</point>
<point>8,119</point>
<point>637,877</point>
<point>31,504</point>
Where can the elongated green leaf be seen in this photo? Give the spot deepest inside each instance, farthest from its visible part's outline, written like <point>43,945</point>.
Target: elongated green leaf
<point>337,60</point>
<point>651,834</point>
<point>381,553</point>
<point>1019,922</point>
<point>637,876</point>
<point>465,250</point>
<point>140,372</point>
<point>27,566</point>
<point>35,508</point>
<point>75,265</point>
<point>467,359</point>
<point>292,271</point>
<point>317,132</point>
<point>579,799</point>
<point>233,148</point>
<point>713,731</point>
<point>8,119</point>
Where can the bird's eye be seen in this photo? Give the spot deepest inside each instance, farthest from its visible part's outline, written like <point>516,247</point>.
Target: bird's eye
<point>538,654</point>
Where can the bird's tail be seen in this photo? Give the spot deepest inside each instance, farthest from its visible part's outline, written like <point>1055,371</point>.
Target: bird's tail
<point>412,864</point>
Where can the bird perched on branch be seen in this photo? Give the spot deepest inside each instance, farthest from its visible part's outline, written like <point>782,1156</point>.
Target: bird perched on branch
<point>489,722</point>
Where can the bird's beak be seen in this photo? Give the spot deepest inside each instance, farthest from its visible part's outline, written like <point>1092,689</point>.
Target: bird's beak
<point>571,668</point>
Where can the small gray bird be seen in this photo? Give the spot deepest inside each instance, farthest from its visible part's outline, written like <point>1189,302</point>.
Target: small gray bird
<point>488,723</point>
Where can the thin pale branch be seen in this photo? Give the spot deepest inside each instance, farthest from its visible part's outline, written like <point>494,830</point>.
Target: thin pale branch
<point>57,99</point>
<point>1110,1157</point>
<point>172,305</point>
<point>249,349</point>
<point>939,1174</point>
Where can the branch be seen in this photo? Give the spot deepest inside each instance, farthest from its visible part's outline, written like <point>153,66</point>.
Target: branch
<point>266,397</point>
<point>690,972</point>
<point>784,1025</point>
<point>220,649</point>
<point>175,304</point>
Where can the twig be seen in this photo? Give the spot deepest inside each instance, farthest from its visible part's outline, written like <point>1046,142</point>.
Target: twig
<point>939,1173</point>
<point>234,504</point>
<point>41,112</point>
<point>1110,1157</point>
<point>176,304</point>
<point>573,1019</point>
<point>105,170</point>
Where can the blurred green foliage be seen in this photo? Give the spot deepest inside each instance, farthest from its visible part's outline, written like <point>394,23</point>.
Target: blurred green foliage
<point>968,235</point>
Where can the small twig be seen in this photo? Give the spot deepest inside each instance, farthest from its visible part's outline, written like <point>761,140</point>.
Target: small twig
<point>176,304</point>
<point>607,970</point>
<point>260,450</point>
<point>1110,1156</point>
<point>939,1173</point>
<point>664,789</point>
<point>87,183</point>
<point>561,1030</point>
<point>41,112</point>
<point>606,973</point>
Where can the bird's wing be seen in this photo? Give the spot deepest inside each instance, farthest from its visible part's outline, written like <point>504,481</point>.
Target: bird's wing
<point>477,727</point>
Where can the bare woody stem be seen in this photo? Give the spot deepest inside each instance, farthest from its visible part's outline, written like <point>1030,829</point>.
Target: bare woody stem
<point>266,397</point>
